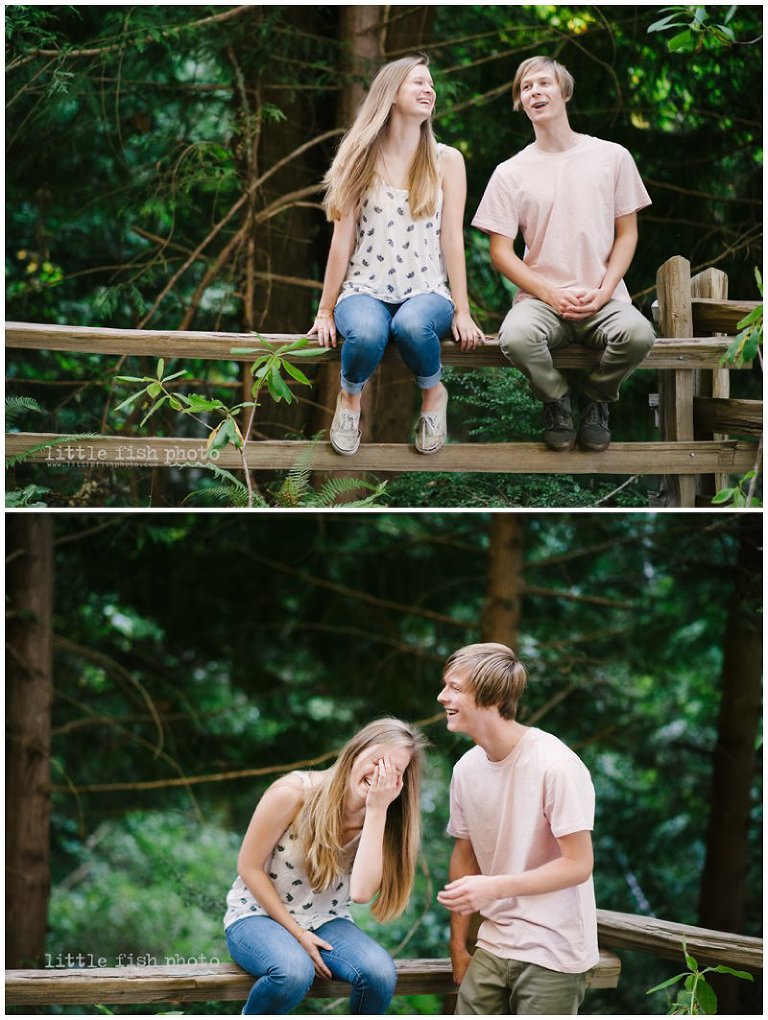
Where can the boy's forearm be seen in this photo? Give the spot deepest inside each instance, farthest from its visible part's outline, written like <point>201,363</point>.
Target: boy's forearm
<point>551,877</point>
<point>622,253</point>
<point>515,270</point>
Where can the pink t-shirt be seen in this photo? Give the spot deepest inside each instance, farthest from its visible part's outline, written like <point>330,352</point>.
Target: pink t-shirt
<point>565,204</point>
<point>513,812</point>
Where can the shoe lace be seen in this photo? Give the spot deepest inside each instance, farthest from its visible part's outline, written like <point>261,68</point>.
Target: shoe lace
<point>347,421</point>
<point>429,423</point>
<point>596,414</point>
<point>556,416</point>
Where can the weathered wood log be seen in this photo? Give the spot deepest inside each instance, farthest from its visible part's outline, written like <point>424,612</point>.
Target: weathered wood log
<point>731,416</point>
<point>677,352</point>
<point>221,982</point>
<point>711,284</point>
<point>714,315</point>
<point>676,389</point>
<point>665,938</point>
<point>680,458</point>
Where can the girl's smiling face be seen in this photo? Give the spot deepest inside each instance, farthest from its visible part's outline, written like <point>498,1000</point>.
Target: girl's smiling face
<point>365,767</point>
<point>416,96</point>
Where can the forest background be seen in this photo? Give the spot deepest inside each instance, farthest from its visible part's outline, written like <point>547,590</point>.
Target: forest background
<point>163,168</point>
<point>164,669</point>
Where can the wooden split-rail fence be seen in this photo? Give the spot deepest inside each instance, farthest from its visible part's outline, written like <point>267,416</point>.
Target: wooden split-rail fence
<point>211,982</point>
<point>705,437</point>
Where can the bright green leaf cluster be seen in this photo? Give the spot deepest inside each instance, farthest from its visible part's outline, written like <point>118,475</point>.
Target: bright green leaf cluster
<point>696,997</point>
<point>697,28</point>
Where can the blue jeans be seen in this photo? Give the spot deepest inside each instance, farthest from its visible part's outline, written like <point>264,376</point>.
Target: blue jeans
<point>285,972</point>
<point>416,325</point>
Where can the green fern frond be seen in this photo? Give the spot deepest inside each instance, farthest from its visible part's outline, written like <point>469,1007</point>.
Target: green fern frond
<point>232,491</point>
<point>332,491</point>
<point>19,458</point>
<point>15,407</point>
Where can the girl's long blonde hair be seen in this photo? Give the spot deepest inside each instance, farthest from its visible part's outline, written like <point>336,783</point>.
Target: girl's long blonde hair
<point>352,172</point>
<point>320,822</point>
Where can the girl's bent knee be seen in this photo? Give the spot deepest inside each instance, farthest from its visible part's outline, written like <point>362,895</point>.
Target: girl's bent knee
<point>294,983</point>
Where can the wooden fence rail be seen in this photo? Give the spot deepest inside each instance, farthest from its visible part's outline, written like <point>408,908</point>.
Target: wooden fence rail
<point>221,982</point>
<point>225,981</point>
<point>705,436</point>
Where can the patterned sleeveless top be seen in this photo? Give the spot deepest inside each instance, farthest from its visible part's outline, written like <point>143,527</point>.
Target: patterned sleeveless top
<point>396,257</point>
<point>287,870</point>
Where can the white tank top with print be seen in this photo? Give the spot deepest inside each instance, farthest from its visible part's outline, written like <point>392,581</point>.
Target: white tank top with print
<point>288,873</point>
<point>396,257</point>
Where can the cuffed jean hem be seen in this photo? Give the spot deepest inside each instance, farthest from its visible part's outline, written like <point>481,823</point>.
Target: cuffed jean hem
<point>353,388</point>
<point>425,382</point>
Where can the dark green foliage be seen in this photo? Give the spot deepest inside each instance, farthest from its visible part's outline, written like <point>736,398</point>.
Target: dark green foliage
<point>220,644</point>
<point>129,135</point>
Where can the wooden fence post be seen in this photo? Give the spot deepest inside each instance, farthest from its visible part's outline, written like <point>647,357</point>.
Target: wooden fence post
<point>716,382</point>
<point>676,388</point>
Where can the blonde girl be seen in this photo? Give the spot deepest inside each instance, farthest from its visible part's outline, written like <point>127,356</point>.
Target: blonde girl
<point>318,841</point>
<point>396,199</point>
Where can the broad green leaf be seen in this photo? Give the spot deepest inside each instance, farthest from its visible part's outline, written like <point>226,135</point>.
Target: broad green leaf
<point>706,998</point>
<point>668,22</point>
<point>724,496</point>
<point>198,403</point>
<point>278,387</point>
<point>665,984</point>
<point>754,316</point>
<point>151,411</point>
<point>160,368</point>
<point>312,352</point>
<point>296,373</point>
<point>690,963</point>
<point>680,42</point>
<point>154,389</point>
<point>722,969</point>
<point>130,400</point>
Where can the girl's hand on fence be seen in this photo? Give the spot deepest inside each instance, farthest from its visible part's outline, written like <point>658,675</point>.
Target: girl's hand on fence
<point>312,945</point>
<point>466,332</point>
<point>385,786</point>
<point>324,328</point>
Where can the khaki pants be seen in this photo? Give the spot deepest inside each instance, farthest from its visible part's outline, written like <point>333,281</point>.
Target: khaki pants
<point>532,330</point>
<point>496,986</point>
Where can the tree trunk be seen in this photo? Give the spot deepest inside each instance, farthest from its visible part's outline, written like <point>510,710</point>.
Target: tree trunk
<point>723,894</point>
<point>284,248</point>
<point>500,621</point>
<point>501,613</point>
<point>29,696</point>
<point>361,32</point>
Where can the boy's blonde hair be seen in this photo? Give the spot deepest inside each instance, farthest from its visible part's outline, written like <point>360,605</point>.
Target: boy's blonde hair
<point>352,172</point>
<point>495,675</point>
<point>561,74</point>
<point>320,822</point>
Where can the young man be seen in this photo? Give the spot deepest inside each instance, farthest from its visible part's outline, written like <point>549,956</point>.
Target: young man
<point>574,198</point>
<point>522,809</point>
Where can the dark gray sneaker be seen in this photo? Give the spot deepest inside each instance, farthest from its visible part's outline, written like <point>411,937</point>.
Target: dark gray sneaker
<point>593,430</point>
<point>559,433</point>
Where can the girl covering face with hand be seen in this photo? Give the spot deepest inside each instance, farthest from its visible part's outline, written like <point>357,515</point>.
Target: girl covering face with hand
<point>396,199</point>
<point>318,841</point>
